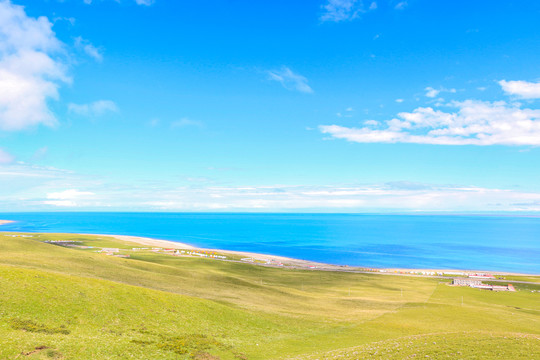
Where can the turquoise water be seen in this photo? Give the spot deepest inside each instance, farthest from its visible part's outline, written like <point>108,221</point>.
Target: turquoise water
<point>504,243</point>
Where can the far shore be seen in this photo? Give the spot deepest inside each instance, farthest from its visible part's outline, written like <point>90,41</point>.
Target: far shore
<point>292,262</point>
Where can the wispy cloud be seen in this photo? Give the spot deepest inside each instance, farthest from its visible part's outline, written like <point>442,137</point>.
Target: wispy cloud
<point>66,198</point>
<point>5,158</point>
<point>154,122</point>
<point>30,69</point>
<point>185,122</point>
<point>20,170</point>
<point>69,20</point>
<point>392,196</point>
<point>45,188</point>
<point>95,109</point>
<point>522,89</point>
<point>145,2</point>
<point>89,49</point>
<point>26,186</point>
<point>347,113</point>
<point>138,2</point>
<point>290,80</point>
<point>432,93</point>
<point>40,153</point>
<point>401,5</point>
<point>341,10</point>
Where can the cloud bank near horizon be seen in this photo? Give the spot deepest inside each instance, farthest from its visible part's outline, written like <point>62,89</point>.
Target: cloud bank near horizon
<point>43,188</point>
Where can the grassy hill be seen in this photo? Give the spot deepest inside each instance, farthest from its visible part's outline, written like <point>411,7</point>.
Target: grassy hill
<point>71,303</point>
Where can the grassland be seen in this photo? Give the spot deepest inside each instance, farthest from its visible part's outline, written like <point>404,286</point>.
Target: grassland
<point>71,303</point>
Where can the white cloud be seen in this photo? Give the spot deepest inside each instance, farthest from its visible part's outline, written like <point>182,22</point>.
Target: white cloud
<point>401,5</point>
<point>61,203</point>
<point>25,186</point>
<point>185,122</point>
<point>473,123</point>
<point>144,2</point>
<point>138,2</point>
<point>21,170</point>
<point>347,113</point>
<point>69,20</point>
<point>97,108</point>
<point>70,194</point>
<point>431,92</point>
<point>154,122</point>
<point>66,198</point>
<point>523,89</point>
<point>394,196</point>
<point>290,80</point>
<point>30,72</point>
<point>5,158</point>
<point>373,6</point>
<point>372,123</point>
<point>89,49</point>
<point>399,100</point>
<point>40,153</point>
<point>28,187</point>
<point>341,10</point>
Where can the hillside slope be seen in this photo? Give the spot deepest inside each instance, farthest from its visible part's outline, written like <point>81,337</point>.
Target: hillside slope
<point>72,303</point>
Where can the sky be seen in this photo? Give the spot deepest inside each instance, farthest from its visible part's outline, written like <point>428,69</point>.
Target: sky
<point>354,106</point>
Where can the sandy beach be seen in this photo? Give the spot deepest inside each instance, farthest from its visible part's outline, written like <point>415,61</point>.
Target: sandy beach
<point>291,262</point>
<point>177,245</point>
<point>149,241</point>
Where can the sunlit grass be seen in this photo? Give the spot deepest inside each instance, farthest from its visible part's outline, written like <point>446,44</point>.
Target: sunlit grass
<point>156,306</point>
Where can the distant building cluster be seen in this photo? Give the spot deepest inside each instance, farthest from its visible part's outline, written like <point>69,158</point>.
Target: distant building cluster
<point>68,243</point>
<point>207,254</point>
<point>110,251</point>
<point>477,284</point>
<point>263,261</point>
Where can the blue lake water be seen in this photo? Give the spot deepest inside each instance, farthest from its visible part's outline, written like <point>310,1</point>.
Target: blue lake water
<point>504,243</point>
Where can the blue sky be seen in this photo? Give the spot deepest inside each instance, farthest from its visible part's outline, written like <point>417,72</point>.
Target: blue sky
<point>328,105</point>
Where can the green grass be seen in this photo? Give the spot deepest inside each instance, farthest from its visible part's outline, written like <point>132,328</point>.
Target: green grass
<point>67,303</point>
<point>464,345</point>
<point>529,278</point>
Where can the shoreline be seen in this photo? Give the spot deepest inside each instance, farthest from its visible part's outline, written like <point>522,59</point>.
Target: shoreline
<point>293,262</point>
<point>184,246</point>
<point>308,264</point>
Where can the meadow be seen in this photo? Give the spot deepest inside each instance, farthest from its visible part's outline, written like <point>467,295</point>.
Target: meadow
<point>71,303</point>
